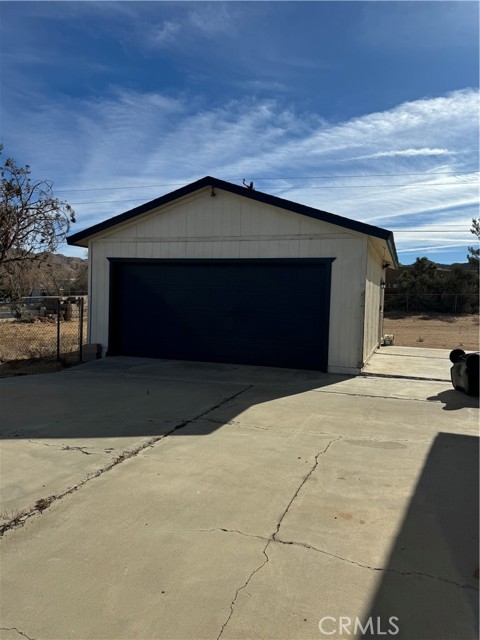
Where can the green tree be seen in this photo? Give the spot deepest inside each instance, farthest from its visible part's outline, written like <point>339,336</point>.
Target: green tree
<point>425,287</point>
<point>421,277</point>
<point>463,283</point>
<point>474,252</point>
<point>418,282</point>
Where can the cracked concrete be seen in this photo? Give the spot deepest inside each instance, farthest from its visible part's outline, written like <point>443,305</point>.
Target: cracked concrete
<point>273,537</point>
<point>21,515</point>
<point>366,566</point>
<point>81,421</point>
<point>291,607</point>
<point>279,500</point>
<point>16,631</point>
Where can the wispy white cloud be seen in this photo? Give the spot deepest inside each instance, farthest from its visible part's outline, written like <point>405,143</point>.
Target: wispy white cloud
<point>397,153</point>
<point>216,18</point>
<point>133,139</point>
<point>163,34</point>
<point>437,248</point>
<point>206,21</point>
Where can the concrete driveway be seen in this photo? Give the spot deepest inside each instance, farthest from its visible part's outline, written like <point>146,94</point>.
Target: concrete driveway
<point>163,500</point>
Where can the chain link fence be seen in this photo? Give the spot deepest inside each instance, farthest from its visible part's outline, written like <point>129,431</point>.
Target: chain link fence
<point>43,328</point>
<point>455,303</point>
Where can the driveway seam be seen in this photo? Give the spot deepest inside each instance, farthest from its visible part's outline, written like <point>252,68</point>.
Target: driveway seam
<point>270,427</point>
<point>399,376</point>
<point>18,519</point>
<point>385,397</point>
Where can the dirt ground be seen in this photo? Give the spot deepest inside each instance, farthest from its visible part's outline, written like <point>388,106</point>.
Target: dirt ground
<point>29,348</point>
<point>434,331</point>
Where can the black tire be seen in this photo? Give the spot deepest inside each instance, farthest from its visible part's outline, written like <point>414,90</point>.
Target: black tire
<point>456,355</point>
<point>472,373</point>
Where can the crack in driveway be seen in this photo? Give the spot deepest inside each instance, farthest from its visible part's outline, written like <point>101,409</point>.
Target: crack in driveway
<point>315,465</point>
<point>66,447</point>
<point>222,529</point>
<point>15,629</point>
<point>232,604</point>
<point>20,518</point>
<point>305,545</point>
<point>273,536</point>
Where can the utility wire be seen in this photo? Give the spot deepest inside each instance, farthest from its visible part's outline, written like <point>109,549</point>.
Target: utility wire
<point>381,186</point>
<point>337,177</point>
<point>350,186</point>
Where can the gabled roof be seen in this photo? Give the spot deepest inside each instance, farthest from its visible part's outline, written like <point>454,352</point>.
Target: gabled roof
<point>259,196</point>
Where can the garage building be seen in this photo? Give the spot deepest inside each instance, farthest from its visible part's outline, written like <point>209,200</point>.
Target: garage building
<point>218,272</point>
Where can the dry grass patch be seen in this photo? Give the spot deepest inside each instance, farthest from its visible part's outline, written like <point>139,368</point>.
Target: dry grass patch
<point>31,340</point>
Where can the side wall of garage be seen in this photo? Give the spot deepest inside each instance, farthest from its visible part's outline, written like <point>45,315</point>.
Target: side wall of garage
<point>373,303</point>
<point>230,226</point>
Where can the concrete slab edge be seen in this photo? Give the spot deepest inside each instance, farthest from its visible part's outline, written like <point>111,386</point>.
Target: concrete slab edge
<point>367,374</point>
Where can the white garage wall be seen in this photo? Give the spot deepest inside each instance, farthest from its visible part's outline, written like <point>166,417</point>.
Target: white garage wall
<point>373,302</point>
<point>231,226</point>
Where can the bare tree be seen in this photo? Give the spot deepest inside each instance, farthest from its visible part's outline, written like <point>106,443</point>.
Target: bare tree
<point>32,219</point>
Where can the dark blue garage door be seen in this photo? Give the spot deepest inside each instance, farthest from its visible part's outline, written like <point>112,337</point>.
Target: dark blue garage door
<point>261,312</point>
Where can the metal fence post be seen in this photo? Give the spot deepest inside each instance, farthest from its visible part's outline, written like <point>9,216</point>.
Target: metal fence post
<point>58,328</point>
<point>80,311</point>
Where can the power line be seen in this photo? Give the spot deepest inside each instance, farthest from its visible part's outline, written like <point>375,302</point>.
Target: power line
<point>382,186</point>
<point>337,177</point>
<point>351,186</point>
<point>368,175</point>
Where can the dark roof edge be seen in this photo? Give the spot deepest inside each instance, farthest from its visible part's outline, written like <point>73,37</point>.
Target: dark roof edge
<point>259,196</point>
<point>137,211</point>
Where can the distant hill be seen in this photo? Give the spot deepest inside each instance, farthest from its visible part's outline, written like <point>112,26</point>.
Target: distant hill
<point>58,260</point>
<point>441,265</point>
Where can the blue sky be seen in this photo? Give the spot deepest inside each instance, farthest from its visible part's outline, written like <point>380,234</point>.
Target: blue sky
<point>366,109</point>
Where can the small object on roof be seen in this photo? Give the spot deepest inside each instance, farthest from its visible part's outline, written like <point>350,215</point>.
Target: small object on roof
<point>464,372</point>
<point>388,340</point>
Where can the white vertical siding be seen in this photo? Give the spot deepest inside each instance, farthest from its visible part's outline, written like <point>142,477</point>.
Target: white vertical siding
<point>347,306</point>
<point>373,303</point>
<point>230,226</point>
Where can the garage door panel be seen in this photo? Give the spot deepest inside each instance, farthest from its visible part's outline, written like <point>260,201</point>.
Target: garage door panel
<point>249,312</point>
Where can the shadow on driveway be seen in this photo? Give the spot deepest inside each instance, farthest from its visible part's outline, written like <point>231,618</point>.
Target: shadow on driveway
<point>431,580</point>
<point>454,400</point>
<point>142,398</point>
